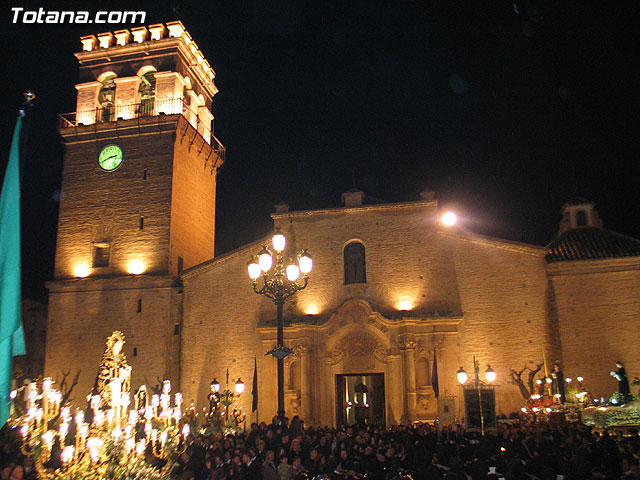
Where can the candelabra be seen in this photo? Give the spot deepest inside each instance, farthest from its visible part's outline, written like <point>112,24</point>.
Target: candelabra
<point>280,281</point>
<point>109,435</point>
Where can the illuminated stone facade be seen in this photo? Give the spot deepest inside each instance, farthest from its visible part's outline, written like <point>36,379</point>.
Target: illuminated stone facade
<point>390,289</point>
<point>150,95</point>
<point>428,288</point>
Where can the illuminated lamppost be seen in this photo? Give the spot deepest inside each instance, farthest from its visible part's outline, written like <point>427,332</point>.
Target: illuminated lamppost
<point>280,280</point>
<point>225,397</point>
<point>489,375</point>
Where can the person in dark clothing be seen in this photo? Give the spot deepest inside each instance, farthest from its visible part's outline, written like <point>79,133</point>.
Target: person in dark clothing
<point>623,382</point>
<point>379,467</point>
<point>313,464</point>
<point>251,469</point>
<point>558,383</point>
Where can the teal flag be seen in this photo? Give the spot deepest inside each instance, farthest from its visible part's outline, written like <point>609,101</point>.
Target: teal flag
<point>11,333</point>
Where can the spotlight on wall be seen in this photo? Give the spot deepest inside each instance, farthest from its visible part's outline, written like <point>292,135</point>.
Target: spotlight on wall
<point>449,219</point>
<point>405,305</point>
<point>136,267</point>
<point>81,271</point>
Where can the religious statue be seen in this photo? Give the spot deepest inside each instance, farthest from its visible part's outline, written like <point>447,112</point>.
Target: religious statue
<point>141,398</point>
<point>214,400</point>
<point>114,373</point>
<point>558,382</point>
<point>623,382</point>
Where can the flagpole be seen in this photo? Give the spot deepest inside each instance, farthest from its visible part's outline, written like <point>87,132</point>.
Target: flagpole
<point>25,132</point>
<point>11,330</point>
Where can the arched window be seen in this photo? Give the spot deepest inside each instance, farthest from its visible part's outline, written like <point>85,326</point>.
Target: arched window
<point>422,372</point>
<point>354,264</point>
<point>107,98</point>
<point>147,92</point>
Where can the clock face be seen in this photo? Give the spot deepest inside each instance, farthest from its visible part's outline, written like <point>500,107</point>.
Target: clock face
<point>110,158</point>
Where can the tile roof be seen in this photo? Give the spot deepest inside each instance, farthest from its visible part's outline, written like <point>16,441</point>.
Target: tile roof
<point>590,243</point>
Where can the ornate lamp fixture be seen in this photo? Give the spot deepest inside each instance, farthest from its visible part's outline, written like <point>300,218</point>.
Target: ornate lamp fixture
<point>278,279</point>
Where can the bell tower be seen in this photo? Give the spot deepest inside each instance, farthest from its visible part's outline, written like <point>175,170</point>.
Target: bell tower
<point>138,200</point>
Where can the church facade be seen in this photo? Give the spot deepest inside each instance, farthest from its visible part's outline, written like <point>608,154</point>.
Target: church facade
<point>393,292</point>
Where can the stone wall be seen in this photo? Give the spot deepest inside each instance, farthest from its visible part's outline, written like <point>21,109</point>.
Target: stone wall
<point>597,305</point>
<point>99,206</point>
<point>82,314</point>
<point>503,291</point>
<point>193,198</point>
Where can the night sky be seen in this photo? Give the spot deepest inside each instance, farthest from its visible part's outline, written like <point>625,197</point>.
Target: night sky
<point>506,110</point>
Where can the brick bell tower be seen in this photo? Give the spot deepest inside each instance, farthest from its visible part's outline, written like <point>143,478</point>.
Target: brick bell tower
<point>137,203</point>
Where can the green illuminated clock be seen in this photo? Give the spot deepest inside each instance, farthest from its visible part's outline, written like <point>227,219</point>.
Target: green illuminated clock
<point>110,158</point>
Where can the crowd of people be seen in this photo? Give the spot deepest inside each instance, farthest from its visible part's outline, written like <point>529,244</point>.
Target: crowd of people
<point>278,451</point>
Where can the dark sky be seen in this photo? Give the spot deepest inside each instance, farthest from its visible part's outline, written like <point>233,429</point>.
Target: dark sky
<point>505,109</point>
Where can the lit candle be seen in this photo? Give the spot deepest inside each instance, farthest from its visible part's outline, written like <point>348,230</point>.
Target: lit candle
<point>130,444</point>
<point>47,438</point>
<point>95,403</point>
<point>133,416</point>
<point>67,454</point>
<point>39,415</point>
<point>64,428</point>
<point>98,418</point>
<point>140,447</point>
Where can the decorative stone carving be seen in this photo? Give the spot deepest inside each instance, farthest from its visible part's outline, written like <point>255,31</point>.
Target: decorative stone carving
<point>407,345</point>
<point>437,343</point>
<point>424,400</point>
<point>294,404</point>
<point>301,348</point>
<point>355,313</point>
<point>358,344</point>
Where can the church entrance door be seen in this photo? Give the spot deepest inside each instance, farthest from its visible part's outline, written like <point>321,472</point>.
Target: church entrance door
<point>360,399</point>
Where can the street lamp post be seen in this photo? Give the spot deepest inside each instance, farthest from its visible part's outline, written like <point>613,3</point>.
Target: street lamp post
<point>280,280</point>
<point>490,376</point>
<point>226,397</point>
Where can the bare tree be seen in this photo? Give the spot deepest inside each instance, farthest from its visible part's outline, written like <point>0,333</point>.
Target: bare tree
<point>65,388</point>
<point>157,388</point>
<point>526,389</point>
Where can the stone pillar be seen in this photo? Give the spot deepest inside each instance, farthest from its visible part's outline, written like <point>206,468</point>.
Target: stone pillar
<point>204,122</point>
<point>126,93</point>
<point>394,399</point>
<point>87,102</point>
<point>409,375</point>
<point>305,382</point>
<point>169,92</point>
<point>325,391</point>
<point>192,110</point>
